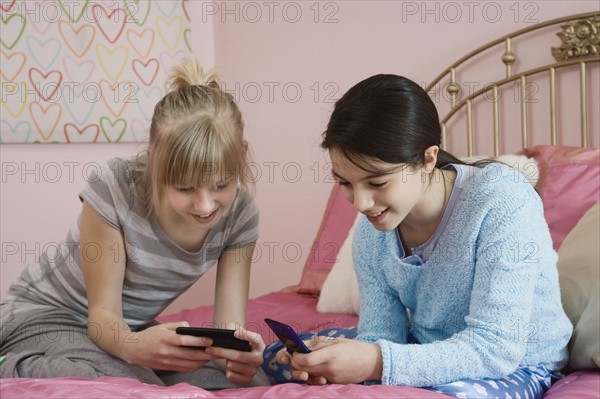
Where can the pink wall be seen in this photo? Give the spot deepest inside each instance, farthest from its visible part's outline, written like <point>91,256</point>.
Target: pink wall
<point>319,58</point>
<point>285,62</point>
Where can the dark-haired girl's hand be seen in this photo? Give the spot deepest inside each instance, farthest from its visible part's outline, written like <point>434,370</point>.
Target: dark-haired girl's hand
<point>315,343</point>
<point>340,361</point>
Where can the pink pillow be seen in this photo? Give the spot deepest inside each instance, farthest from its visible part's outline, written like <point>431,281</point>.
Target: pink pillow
<point>568,184</point>
<point>336,223</point>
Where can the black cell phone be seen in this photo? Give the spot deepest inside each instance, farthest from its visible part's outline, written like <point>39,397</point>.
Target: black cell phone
<point>288,336</point>
<point>221,337</point>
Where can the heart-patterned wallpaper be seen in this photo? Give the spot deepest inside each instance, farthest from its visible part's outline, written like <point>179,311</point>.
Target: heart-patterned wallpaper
<point>86,71</point>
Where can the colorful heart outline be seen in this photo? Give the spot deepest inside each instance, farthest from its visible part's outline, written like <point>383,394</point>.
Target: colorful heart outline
<point>6,21</point>
<point>169,23</point>
<point>23,97</point>
<point>139,35</point>
<point>78,65</point>
<point>146,112</point>
<point>120,120</point>
<point>10,6</point>
<point>186,34</point>
<point>8,58</point>
<point>137,61</point>
<point>163,12</point>
<point>85,5</point>
<point>116,77</point>
<point>168,59</point>
<point>184,4</point>
<point>35,22</point>
<point>125,101</point>
<point>76,31</point>
<point>75,115</point>
<point>81,131</point>
<point>144,127</point>
<point>98,20</point>
<point>43,45</point>
<point>14,129</point>
<point>45,76</point>
<point>137,22</point>
<point>44,111</point>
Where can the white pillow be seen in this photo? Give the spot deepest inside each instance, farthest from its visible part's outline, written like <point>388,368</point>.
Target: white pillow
<point>339,293</point>
<point>527,166</point>
<point>579,272</point>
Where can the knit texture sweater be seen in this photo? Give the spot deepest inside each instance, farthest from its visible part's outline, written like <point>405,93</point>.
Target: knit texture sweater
<point>487,300</point>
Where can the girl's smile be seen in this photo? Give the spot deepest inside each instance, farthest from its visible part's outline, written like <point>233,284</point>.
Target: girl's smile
<point>377,217</point>
<point>207,218</point>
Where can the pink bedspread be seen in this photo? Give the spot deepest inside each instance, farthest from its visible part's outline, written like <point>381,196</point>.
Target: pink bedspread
<point>296,310</point>
<point>579,385</point>
<point>111,387</point>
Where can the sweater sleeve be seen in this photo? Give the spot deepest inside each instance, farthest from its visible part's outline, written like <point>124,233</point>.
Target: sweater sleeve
<point>512,235</point>
<point>382,314</point>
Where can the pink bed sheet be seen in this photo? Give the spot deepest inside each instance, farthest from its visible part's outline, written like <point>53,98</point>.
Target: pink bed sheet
<point>112,387</point>
<point>294,309</point>
<point>579,385</point>
<point>299,311</point>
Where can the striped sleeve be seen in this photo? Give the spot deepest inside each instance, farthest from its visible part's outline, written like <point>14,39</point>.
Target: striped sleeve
<point>104,191</point>
<point>245,220</point>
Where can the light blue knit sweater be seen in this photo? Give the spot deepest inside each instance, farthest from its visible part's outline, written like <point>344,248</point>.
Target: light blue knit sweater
<point>486,302</point>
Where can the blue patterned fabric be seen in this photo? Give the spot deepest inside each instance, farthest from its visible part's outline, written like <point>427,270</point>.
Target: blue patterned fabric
<point>524,383</point>
<point>280,373</point>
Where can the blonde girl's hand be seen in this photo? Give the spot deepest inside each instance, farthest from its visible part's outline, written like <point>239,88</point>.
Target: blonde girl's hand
<point>241,367</point>
<point>161,348</point>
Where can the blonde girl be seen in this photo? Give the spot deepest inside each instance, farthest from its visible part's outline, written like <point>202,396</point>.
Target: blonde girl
<point>149,228</point>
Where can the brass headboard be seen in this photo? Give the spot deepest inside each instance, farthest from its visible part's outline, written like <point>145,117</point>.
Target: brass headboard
<point>580,46</point>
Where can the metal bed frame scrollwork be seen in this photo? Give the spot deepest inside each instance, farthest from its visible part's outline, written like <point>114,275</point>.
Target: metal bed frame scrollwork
<point>580,46</point>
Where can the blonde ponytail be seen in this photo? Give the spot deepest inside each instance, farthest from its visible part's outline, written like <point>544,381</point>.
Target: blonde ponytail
<point>189,73</point>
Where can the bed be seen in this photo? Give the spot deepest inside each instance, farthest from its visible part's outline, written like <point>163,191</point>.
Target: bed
<point>565,171</point>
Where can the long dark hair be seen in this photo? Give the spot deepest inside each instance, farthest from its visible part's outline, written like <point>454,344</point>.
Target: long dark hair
<point>388,118</point>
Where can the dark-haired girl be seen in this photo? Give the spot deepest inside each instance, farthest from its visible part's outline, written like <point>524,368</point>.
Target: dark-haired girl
<point>457,274</point>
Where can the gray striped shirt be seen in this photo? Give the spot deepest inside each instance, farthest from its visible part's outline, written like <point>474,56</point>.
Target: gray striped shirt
<point>157,269</point>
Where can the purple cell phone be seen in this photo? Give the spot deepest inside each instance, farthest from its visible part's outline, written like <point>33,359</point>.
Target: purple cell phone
<point>288,336</point>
